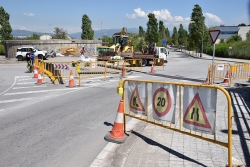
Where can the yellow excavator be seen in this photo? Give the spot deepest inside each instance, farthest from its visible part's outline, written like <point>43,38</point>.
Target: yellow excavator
<point>121,44</point>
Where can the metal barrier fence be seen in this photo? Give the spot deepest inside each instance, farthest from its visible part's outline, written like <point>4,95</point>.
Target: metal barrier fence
<point>196,108</point>
<point>133,65</point>
<point>240,70</point>
<point>222,71</point>
<point>227,71</point>
<point>158,62</point>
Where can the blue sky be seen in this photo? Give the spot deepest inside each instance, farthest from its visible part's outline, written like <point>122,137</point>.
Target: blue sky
<point>44,15</point>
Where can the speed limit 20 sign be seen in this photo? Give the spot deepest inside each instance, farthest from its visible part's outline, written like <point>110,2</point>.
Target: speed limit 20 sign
<point>163,102</point>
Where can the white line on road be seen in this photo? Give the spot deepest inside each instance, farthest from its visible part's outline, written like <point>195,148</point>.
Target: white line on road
<point>40,86</point>
<point>10,86</point>
<point>25,79</point>
<point>24,83</point>
<point>14,100</point>
<point>39,91</point>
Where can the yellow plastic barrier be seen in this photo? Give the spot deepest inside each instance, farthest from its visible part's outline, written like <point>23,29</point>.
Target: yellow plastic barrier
<point>158,62</point>
<point>178,111</point>
<point>133,65</point>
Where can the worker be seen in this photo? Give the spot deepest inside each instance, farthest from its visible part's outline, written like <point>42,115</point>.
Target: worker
<point>82,51</point>
<point>30,57</point>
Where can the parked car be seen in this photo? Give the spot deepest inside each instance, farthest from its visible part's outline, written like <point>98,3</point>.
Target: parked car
<point>22,51</point>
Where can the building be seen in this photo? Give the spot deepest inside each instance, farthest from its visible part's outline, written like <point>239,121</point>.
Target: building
<point>45,37</point>
<point>227,31</point>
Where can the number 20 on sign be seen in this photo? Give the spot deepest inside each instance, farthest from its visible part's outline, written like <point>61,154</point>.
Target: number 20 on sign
<point>163,102</point>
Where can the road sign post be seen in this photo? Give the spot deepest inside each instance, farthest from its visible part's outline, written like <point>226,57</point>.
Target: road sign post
<point>213,35</point>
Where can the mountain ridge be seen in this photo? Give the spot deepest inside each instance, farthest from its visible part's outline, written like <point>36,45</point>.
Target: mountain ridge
<point>76,35</point>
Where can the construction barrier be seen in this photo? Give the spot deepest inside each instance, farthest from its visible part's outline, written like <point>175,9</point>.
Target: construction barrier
<point>222,71</point>
<point>240,70</point>
<point>158,62</point>
<point>133,65</point>
<point>229,72</point>
<point>186,108</point>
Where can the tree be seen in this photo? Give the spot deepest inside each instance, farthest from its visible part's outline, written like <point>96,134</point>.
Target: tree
<point>152,29</point>
<point>87,31</point>
<point>34,36</point>
<point>234,38</point>
<point>162,34</point>
<point>175,36</point>
<point>141,32</point>
<point>242,24</point>
<point>167,33</point>
<point>196,27</point>
<point>248,35</point>
<point>5,28</point>
<point>60,33</point>
<point>182,36</point>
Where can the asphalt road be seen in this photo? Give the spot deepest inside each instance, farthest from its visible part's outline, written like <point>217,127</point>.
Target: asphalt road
<point>52,125</point>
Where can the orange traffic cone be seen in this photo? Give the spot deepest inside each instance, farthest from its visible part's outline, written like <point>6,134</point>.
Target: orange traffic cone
<point>35,72</point>
<point>123,72</point>
<point>117,134</point>
<point>226,78</point>
<point>39,79</point>
<point>71,80</point>
<point>152,69</point>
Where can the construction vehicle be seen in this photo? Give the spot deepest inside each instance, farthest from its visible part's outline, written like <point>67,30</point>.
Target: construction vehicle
<point>121,44</point>
<point>147,54</point>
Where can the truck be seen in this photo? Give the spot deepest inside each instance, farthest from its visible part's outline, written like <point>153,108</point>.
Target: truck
<point>148,54</point>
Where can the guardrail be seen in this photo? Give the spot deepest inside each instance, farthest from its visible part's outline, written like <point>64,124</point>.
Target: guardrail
<point>195,108</point>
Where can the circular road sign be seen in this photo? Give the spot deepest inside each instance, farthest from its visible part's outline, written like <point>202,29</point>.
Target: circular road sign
<point>161,102</point>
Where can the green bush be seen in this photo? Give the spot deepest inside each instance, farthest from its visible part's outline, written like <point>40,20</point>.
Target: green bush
<point>2,51</point>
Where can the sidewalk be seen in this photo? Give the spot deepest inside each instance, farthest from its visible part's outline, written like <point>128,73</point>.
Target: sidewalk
<point>149,145</point>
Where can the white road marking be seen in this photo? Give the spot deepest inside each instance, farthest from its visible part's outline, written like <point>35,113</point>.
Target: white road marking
<point>133,76</point>
<point>39,91</point>
<point>40,86</point>
<point>14,100</point>
<point>25,79</point>
<point>10,86</point>
<point>24,83</point>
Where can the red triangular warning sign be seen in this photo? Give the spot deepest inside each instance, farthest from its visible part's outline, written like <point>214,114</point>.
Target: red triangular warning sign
<point>214,35</point>
<point>195,113</point>
<point>135,101</point>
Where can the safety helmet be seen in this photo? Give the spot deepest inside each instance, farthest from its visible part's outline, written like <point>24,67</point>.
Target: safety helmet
<point>83,46</point>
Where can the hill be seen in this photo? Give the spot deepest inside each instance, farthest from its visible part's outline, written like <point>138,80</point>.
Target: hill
<point>97,33</point>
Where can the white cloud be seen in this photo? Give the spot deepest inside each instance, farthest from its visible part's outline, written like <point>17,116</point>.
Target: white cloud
<point>138,14</point>
<point>23,28</point>
<point>29,14</point>
<point>163,14</point>
<point>212,18</point>
<point>169,20</point>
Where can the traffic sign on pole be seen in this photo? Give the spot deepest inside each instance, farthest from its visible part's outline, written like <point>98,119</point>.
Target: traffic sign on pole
<point>214,35</point>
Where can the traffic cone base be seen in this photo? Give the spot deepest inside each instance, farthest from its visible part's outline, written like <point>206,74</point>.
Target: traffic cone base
<point>225,81</point>
<point>226,78</point>
<point>117,134</point>
<point>39,80</point>
<point>71,80</point>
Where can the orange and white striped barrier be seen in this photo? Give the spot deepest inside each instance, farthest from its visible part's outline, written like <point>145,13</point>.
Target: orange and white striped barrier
<point>117,134</point>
